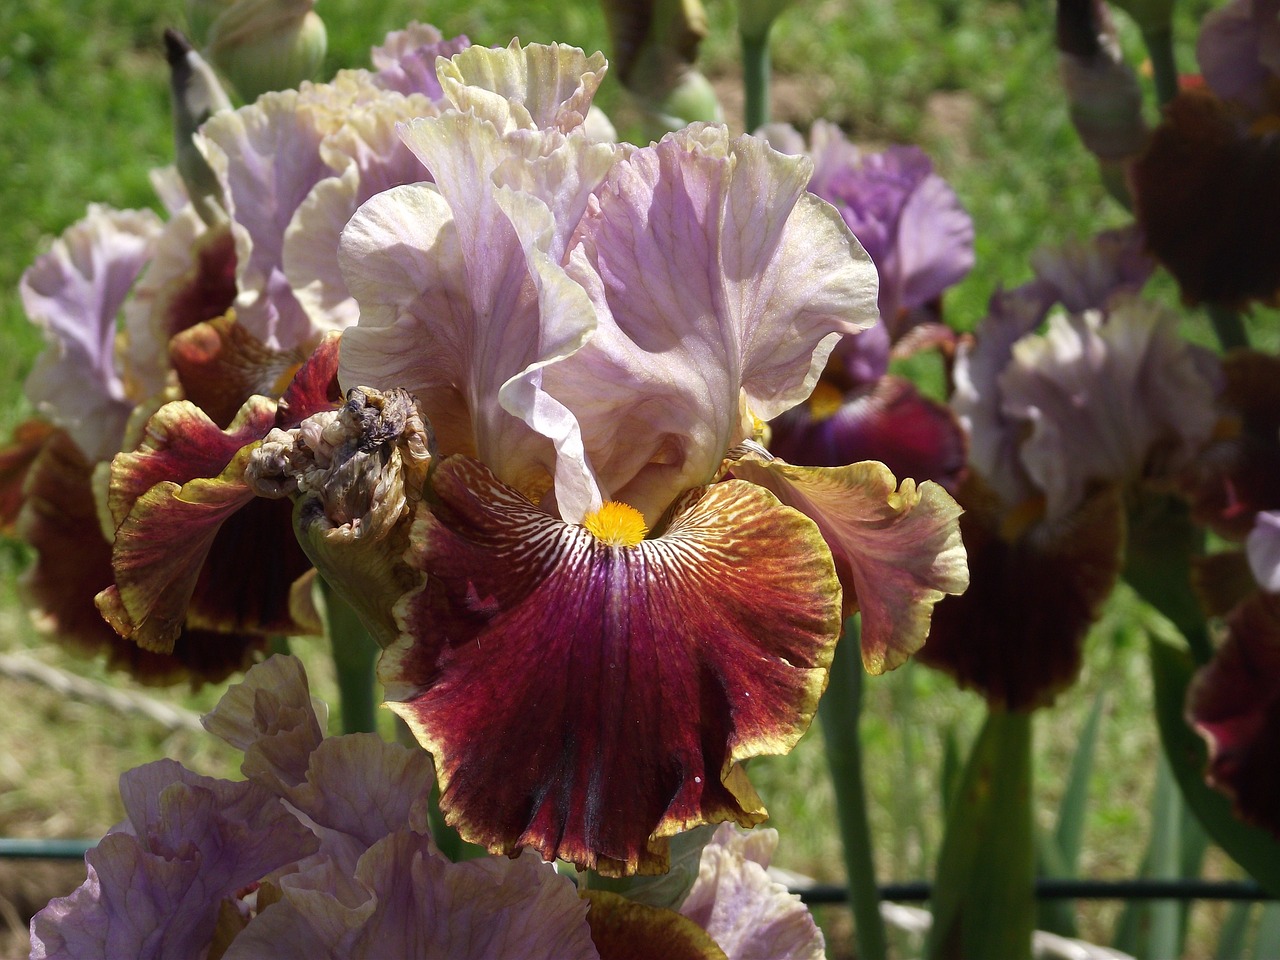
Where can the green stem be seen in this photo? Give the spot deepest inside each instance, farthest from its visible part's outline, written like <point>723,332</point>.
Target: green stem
<point>1228,325</point>
<point>839,712</point>
<point>1159,41</point>
<point>355,658</point>
<point>755,79</point>
<point>278,643</point>
<point>984,891</point>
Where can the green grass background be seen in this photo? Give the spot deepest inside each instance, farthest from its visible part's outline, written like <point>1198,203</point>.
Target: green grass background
<point>84,116</point>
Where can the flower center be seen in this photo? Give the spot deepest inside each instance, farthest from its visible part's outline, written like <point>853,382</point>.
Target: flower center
<point>617,524</point>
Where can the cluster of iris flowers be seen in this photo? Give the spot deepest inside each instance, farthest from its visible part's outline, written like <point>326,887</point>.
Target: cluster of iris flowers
<point>602,445</point>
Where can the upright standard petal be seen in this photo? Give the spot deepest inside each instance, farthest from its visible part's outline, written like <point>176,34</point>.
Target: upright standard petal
<point>652,669</point>
<point>722,287</point>
<point>74,293</point>
<point>897,547</point>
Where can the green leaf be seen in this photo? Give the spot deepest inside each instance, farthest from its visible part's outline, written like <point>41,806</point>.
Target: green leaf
<point>1266,942</point>
<point>1075,798</point>
<point>983,901</point>
<point>1255,850</point>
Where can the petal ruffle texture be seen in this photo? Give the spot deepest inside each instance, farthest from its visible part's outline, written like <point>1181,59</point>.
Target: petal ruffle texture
<point>747,913</point>
<point>722,288</point>
<point>74,293</point>
<point>405,900</point>
<point>652,671</point>
<point>1115,399</point>
<point>897,547</point>
<point>1235,704</point>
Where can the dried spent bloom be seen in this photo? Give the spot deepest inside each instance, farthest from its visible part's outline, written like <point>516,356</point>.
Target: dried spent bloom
<point>583,558</point>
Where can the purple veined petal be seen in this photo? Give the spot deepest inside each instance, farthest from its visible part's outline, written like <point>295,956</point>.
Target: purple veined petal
<point>747,913</point>
<point>74,293</point>
<point>672,658</point>
<point>267,158</point>
<point>154,888</point>
<point>406,60</point>
<point>1114,400</point>
<point>722,287</point>
<point>469,273</point>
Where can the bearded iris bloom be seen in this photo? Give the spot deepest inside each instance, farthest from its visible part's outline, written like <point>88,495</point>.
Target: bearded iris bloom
<point>608,622</point>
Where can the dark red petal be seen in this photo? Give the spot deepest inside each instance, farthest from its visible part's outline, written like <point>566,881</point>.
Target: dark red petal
<point>1235,703</point>
<point>1015,636</point>
<point>73,562</point>
<point>591,701</point>
<point>220,364</point>
<point>1238,472</point>
<point>15,463</point>
<point>1207,196</point>
<point>314,387</point>
<point>912,435</point>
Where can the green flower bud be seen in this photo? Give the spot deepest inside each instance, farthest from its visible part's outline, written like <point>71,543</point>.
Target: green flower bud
<point>262,45</point>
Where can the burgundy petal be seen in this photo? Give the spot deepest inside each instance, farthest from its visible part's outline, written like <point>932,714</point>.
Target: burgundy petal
<point>592,700</point>
<point>16,460</point>
<point>910,434</point>
<point>1235,703</point>
<point>1015,636</point>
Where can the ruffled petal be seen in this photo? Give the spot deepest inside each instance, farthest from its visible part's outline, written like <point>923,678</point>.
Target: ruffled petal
<point>746,912</point>
<point>191,279</point>
<point>672,660</point>
<point>407,901</point>
<point>538,87</point>
<point>1017,633</point>
<point>267,159</point>
<point>897,547</point>
<point>187,523</point>
<point>74,293</point>
<point>1235,704</point>
<point>1122,399</point>
<point>406,60</point>
<point>471,276</point>
<point>722,287</point>
<point>155,890</point>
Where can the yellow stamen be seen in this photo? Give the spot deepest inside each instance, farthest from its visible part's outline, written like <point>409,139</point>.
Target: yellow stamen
<point>617,524</point>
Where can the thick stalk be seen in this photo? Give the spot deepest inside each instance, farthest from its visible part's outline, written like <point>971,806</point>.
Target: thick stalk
<point>755,79</point>
<point>355,657</point>
<point>984,892</point>
<point>839,712</point>
<point>1164,67</point>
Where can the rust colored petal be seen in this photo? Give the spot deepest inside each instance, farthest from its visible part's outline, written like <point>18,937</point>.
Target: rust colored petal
<point>15,463</point>
<point>1015,636</point>
<point>1235,704</point>
<point>591,701</point>
<point>622,929</point>
<point>1207,196</point>
<point>73,562</point>
<point>220,364</point>
<point>897,548</point>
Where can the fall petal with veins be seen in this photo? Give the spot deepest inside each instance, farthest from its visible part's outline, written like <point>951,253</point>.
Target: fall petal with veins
<point>730,615</point>
<point>897,547</point>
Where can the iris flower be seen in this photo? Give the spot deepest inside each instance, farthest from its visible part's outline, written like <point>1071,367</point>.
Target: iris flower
<point>323,850</point>
<point>615,611</point>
